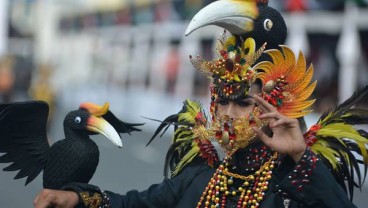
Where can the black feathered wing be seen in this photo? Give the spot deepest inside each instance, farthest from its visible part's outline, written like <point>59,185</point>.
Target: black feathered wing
<point>23,138</point>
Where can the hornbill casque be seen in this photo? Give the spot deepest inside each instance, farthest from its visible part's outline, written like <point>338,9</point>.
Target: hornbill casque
<point>23,139</point>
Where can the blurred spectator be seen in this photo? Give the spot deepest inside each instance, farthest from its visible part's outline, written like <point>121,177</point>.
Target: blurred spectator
<point>7,78</point>
<point>296,5</point>
<point>172,66</point>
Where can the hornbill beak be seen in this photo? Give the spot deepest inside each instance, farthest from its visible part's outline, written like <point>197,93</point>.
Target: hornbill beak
<point>236,16</point>
<point>101,126</point>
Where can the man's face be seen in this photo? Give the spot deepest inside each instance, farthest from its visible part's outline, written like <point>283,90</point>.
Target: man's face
<point>237,108</point>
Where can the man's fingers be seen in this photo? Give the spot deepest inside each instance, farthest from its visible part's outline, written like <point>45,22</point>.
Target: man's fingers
<point>44,199</point>
<point>264,104</point>
<point>274,115</point>
<point>262,136</point>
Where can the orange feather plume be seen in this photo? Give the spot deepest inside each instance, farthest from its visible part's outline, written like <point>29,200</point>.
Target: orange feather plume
<point>286,82</point>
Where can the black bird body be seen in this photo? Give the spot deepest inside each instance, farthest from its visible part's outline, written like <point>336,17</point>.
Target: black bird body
<point>77,159</point>
<point>73,159</point>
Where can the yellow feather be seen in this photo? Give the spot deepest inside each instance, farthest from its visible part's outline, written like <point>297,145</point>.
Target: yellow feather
<point>289,59</point>
<point>250,44</point>
<point>276,55</point>
<point>300,65</point>
<point>297,114</point>
<point>340,131</point>
<point>299,106</point>
<point>186,159</point>
<point>306,92</point>
<point>192,108</point>
<point>299,86</point>
<point>321,148</point>
<point>231,41</point>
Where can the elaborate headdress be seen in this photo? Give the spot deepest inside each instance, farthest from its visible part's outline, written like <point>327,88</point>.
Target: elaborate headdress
<point>285,81</point>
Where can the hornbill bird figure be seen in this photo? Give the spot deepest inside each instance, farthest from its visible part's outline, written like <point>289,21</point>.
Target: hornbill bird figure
<point>243,19</point>
<point>23,139</point>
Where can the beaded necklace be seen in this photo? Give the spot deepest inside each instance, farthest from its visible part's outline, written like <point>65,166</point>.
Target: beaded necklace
<point>250,193</point>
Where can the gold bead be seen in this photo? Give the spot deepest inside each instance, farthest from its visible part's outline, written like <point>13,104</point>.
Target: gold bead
<point>246,183</point>
<point>230,182</point>
<point>257,172</point>
<point>233,193</point>
<point>251,177</point>
<point>240,189</point>
<point>259,198</point>
<point>244,203</point>
<point>227,192</point>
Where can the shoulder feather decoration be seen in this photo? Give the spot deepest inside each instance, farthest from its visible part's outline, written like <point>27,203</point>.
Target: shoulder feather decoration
<point>186,146</point>
<point>340,143</point>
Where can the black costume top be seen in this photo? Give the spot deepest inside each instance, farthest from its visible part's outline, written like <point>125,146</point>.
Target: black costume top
<point>306,184</point>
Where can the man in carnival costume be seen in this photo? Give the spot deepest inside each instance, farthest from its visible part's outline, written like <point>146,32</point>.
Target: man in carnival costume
<point>257,97</point>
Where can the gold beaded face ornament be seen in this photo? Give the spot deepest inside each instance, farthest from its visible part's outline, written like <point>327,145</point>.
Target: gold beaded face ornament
<point>235,133</point>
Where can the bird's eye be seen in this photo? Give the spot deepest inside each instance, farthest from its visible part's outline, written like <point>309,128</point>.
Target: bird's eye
<point>268,24</point>
<point>77,119</point>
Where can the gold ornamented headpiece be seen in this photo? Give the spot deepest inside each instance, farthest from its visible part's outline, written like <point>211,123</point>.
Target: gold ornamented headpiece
<point>231,72</point>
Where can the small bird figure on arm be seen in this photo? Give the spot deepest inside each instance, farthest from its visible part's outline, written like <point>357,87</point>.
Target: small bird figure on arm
<point>73,159</point>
